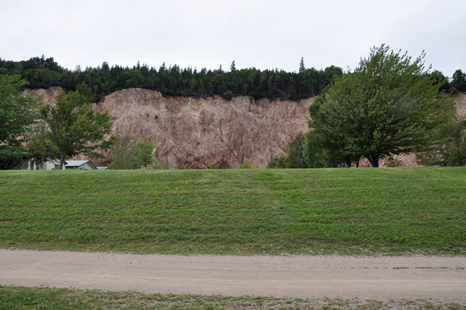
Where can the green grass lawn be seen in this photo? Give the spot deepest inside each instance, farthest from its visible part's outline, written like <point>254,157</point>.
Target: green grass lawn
<point>395,211</point>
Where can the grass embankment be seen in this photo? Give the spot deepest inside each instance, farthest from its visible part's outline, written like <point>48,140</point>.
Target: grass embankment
<point>12,297</point>
<point>259,211</point>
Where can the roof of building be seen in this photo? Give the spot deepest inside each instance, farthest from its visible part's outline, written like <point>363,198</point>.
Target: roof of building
<point>78,163</point>
<point>75,163</point>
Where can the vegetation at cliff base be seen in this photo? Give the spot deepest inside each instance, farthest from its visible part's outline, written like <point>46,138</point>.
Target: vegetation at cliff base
<point>242,212</point>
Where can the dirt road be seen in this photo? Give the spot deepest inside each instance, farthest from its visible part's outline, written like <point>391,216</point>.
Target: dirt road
<point>300,276</point>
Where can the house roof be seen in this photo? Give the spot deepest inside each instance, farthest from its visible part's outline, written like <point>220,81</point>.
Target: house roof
<point>75,163</point>
<point>78,163</point>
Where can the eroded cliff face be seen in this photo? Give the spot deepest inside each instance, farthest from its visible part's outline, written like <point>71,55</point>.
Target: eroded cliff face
<point>197,131</point>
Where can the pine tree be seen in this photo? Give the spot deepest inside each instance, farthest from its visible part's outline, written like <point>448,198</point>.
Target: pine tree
<point>301,65</point>
<point>233,66</point>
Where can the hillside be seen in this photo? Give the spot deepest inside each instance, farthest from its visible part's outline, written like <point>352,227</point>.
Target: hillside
<point>198,131</point>
<point>236,211</point>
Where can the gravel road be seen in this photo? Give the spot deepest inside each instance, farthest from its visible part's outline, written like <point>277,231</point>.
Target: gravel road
<point>298,276</point>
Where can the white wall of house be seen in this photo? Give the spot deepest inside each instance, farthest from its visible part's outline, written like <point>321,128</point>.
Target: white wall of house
<point>32,165</point>
<point>54,165</point>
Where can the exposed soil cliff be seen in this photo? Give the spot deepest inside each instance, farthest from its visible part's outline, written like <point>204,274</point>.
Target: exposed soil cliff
<point>199,131</point>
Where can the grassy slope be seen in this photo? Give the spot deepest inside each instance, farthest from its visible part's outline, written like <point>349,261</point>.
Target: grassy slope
<point>345,211</point>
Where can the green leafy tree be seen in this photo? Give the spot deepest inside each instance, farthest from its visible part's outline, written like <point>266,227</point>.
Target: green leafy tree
<point>449,150</point>
<point>295,158</point>
<point>17,111</point>
<point>328,139</point>
<point>10,159</point>
<point>459,80</point>
<point>144,152</point>
<point>39,146</point>
<point>75,128</point>
<point>387,106</point>
<point>315,153</point>
<point>122,153</point>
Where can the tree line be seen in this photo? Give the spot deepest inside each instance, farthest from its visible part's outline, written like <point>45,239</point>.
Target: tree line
<point>41,72</point>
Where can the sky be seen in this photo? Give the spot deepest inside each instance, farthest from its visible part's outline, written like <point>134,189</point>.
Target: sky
<point>255,33</point>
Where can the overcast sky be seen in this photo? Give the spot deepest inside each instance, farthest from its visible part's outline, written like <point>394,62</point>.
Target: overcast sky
<point>255,33</point>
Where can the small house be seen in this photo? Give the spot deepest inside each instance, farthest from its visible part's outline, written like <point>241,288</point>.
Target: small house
<point>28,164</point>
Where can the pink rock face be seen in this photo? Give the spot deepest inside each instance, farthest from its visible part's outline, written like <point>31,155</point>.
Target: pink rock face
<point>197,131</point>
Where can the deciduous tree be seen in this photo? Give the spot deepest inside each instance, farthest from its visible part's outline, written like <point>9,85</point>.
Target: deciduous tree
<point>76,128</point>
<point>17,111</point>
<point>388,106</point>
<point>39,146</point>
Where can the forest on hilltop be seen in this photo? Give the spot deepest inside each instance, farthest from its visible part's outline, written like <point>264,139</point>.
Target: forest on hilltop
<point>41,72</point>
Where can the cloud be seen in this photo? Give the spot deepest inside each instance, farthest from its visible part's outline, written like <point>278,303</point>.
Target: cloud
<point>207,33</point>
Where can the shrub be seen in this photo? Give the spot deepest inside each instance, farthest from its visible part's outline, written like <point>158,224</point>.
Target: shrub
<point>393,162</point>
<point>278,162</point>
<point>228,95</point>
<point>245,165</point>
<point>133,155</point>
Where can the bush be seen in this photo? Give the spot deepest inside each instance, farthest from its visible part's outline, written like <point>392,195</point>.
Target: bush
<point>393,162</point>
<point>245,165</point>
<point>278,162</point>
<point>133,155</point>
<point>213,165</point>
<point>295,157</point>
<point>10,159</point>
<point>228,95</point>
